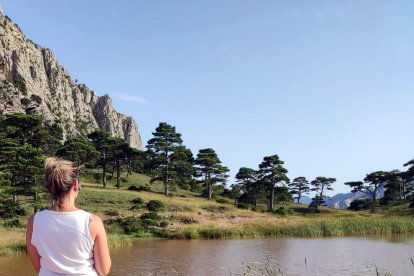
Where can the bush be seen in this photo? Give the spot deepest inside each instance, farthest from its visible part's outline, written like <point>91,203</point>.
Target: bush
<point>140,188</point>
<point>138,203</point>
<point>25,101</point>
<point>13,224</point>
<point>97,176</point>
<point>131,224</point>
<point>150,219</point>
<point>8,209</point>
<point>111,212</point>
<point>163,223</point>
<point>222,200</point>
<point>36,98</point>
<point>155,205</point>
<point>242,206</point>
<point>283,211</point>
<point>124,226</point>
<point>360,204</point>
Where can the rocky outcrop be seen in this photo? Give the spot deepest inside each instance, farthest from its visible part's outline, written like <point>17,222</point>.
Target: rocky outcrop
<point>33,82</point>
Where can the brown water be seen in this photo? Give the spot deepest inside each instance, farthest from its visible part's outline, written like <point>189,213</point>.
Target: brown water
<point>327,256</point>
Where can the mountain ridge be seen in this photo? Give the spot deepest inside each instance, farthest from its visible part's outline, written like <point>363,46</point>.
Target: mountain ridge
<point>33,82</point>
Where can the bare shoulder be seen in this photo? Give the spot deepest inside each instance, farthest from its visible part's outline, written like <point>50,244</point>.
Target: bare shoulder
<point>96,226</point>
<point>95,220</point>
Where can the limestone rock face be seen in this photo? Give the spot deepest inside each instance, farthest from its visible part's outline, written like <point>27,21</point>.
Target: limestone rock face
<point>32,82</point>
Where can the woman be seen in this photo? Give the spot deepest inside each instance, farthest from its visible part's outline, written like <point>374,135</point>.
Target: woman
<point>64,240</point>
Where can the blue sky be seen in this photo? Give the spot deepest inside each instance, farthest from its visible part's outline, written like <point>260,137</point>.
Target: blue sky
<point>326,85</point>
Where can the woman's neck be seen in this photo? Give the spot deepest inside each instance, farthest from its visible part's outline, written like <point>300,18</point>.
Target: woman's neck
<point>64,206</point>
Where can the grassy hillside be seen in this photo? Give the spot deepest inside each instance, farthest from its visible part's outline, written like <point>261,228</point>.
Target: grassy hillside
<point>187,216</point>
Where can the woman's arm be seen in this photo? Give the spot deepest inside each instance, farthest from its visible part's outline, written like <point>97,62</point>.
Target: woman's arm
<point>100,248</point>
<point>31,250</point>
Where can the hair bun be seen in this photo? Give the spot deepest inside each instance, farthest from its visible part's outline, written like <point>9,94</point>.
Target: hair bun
<point>50,163</point>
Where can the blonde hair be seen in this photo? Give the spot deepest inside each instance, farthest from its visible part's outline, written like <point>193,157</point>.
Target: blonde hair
<point>60,176</point>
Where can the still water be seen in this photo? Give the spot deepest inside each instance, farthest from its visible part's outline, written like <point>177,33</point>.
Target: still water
<point>295,256</point>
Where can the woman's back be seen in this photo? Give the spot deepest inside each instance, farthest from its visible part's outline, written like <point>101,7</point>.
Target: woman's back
<point>64,243</point>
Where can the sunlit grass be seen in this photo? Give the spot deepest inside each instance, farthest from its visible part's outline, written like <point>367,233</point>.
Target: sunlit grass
<point>12,241</point>
<point>193,217</point>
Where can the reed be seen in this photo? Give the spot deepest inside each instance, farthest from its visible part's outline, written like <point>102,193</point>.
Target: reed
<point>321,228</point>
<point>116,240</point>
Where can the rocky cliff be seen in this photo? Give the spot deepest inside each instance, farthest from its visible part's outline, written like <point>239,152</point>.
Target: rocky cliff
<point>32,82</point>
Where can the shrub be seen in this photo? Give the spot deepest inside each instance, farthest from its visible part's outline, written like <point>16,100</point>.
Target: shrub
<point>114,227</point>
<point>131,224</point>
<point>20,85</point>
<point>163,223</point>
<point>138,203</point>
<point>8,209</point>
<point>97,176</point>
<point>360,204</point>
<point>155,205</point>
<point>222,200</point>
<point>111,212</point>
<point>25,101</point>
<point>242,206</point>
<point>283,211</point>
<point>150,219</point>
<point>36,98</point>
<point>142,187</point>
<point>13,224</point>
<point>124,226</point>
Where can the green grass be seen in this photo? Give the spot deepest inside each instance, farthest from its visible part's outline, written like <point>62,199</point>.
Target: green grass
<point>190,216</point>
<point>12,250</point>
<point>314,228</point>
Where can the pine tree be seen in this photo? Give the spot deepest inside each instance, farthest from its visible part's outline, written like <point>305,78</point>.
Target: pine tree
<point>320,185</point>
<point>299,186</point>
<point>209,167</point>
<point>271,174</point>
<point>162,146</point>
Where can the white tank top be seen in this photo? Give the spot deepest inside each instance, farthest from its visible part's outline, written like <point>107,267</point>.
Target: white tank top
<point>64,243</point>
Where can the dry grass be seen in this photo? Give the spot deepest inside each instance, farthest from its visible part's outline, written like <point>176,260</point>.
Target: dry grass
<point>12,241</point>
<point>191,216</point>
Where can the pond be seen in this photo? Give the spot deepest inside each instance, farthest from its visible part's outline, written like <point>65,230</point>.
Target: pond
<point>293,256</point>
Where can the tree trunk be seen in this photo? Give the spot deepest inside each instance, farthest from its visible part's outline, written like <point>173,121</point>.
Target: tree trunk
<point>316,206</point>
<point>404,190</point>
<point>255,202</point>
<point>210,190</point>
<point>104,175</point>
<point>374,199</point>
<point>118,174</point>
<point>35,200</point>
<point>272,199</point>
<point>298,198</point>
<point>166,190</point>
